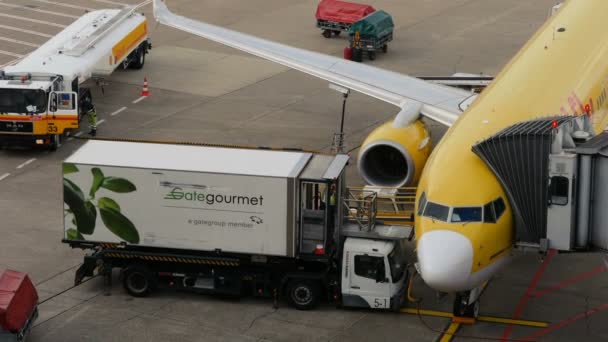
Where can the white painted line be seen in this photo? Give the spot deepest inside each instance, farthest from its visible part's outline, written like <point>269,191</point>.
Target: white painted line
<point>66,5</point>
<point>77,134</point>
<point>11,40</point>
<point>10,53</point>
<point>139,99</point>
<point>26,163</point>
<point>39,10</point>
<point>9,63</point>
<point>101,121</point>
<point>31,20</point>
<point>118,111</point>
<point>111,3</point>
<point>26,31</point>
<point>70,138</point>
<point>4,176</point>
<point>143,3</point>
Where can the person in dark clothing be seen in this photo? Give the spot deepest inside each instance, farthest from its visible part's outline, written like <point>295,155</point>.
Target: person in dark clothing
<point>89,109</point>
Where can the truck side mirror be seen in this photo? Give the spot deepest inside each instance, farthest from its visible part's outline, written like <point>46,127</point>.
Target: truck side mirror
<point>53,103</point>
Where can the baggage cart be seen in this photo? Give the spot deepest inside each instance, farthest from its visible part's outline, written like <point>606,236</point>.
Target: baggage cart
<point>334,16</point>
<point>372,33</point>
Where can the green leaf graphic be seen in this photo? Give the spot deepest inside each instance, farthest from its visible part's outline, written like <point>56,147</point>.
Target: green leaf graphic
<point>85,215</point>
<point>73,234</point>
<point>72,195</point>
<point>108,203</point>
<point>118,224</point>
<point>69,168</point>
<point>120,185</point>
<point>97,180</point>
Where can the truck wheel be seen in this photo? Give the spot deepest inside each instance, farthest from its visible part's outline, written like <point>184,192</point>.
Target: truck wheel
<point>303,294</point>
<point>327,33</point>
<point>55,142</point>
<point>337,32</point>
<point>138,281</point>
<point>139,59</point>
<point>371,55</point>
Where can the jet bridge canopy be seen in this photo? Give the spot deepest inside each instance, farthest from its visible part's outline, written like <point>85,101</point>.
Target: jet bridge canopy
<point>519,157</point>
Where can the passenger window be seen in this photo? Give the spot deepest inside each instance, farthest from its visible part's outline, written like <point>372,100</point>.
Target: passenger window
<point>558,190</point>
<point>467,214</point>
<point>488,213</point>
<point>421,203</point>
<point>436,211</point>
<point>369,267</point>
<point>499,207</point>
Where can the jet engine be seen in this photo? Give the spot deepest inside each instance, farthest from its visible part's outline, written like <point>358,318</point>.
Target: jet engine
<point>394,154</point>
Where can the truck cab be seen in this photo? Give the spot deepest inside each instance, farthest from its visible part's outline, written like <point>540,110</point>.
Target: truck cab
<point>36,108</point>
<point>374,273</point>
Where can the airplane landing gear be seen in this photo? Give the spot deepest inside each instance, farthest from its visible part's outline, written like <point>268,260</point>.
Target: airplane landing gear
<point>462,307</point>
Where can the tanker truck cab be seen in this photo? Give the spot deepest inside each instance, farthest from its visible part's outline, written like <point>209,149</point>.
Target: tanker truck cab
<point>37,106</point>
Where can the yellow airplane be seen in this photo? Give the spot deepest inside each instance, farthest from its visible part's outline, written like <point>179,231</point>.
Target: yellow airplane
<point>464,222</point>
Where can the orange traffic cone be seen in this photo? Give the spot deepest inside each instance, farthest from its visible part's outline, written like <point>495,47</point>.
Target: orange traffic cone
<point>145,92</point>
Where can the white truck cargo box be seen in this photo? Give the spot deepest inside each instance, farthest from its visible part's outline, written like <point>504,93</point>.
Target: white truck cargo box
<point>182,197</point>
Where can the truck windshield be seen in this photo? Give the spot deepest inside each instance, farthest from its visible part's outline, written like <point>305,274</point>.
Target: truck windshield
<point>22,101</point>
<point>397,262</point>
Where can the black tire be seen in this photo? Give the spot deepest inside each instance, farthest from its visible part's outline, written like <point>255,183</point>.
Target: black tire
<point>462,310</point>
<point>371,55</point>
<point>327,33</point>
<point>337,32</point>
<point>139,281</point>
<point>55,142</point>
<point>139,58</point>
<point>384,48</point>
<point>303,294</point>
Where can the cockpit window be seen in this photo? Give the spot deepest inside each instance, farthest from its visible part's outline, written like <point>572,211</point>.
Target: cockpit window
<point>421,203</point>
<point>436,211</point>
<point>466,214</point>
<point>488,213</point>
<point>493,210</point>
<point>499,207</point>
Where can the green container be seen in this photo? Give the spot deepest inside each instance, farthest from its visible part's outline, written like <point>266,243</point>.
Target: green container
<point>376,25</point>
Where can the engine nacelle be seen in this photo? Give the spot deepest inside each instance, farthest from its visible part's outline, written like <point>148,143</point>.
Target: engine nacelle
<point>394,155</point>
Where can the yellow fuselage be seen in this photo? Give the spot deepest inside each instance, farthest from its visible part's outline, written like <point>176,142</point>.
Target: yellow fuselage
<point>561,69</point>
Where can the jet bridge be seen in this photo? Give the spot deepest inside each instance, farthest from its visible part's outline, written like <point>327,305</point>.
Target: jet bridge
<point>555,174</point>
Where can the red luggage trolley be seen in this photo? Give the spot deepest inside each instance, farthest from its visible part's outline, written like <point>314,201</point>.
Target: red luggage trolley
<point>334,16</point>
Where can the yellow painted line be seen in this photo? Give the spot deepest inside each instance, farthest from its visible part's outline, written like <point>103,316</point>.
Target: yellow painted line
<point>428,313</point>
<point>489,319</point>
<point>522,322</point>
<point>448,335</point>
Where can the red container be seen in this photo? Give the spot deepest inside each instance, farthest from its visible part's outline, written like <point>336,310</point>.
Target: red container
<point>18,299</point>
<point>348,53</point>
<point>342,11</point>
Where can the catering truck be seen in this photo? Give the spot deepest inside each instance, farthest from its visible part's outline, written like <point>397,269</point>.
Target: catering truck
<point>40,95</point>
<point>231,221</point>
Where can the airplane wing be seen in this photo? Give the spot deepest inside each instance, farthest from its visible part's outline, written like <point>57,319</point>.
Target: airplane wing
<point>412,95</point>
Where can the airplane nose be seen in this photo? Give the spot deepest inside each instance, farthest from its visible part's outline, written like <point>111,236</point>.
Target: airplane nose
<point>445,259</point>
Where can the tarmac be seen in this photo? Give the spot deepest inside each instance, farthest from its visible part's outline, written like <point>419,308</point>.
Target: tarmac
<point>205,92</point>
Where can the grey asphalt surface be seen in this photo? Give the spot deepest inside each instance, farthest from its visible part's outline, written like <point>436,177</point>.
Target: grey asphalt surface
<point>205,92</point>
